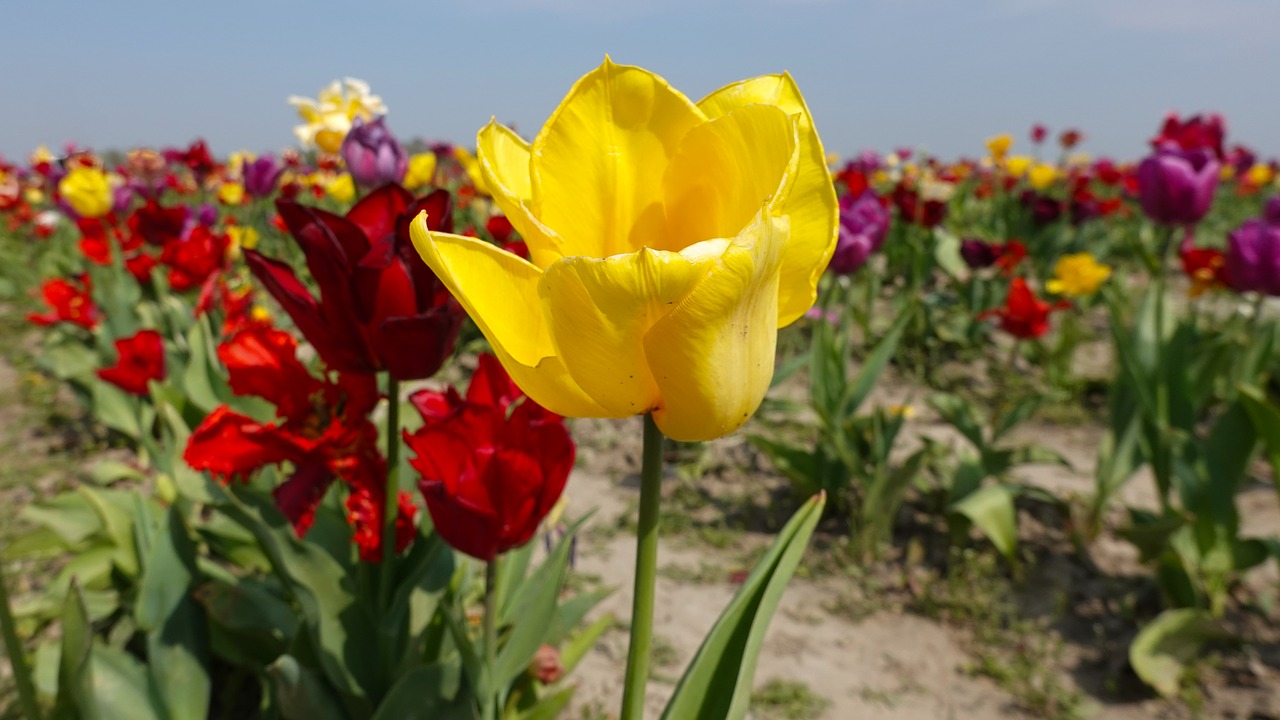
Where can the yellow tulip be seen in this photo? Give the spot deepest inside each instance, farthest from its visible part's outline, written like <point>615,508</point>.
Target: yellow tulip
<point>1017,165</point>
<point>1042,175</point>
<point>231,193</point>
<point>341,188</point>
<point>87,190</point>
<point>1260,175</point>
<point>471,164</point>
<point>668,241</point>
<point>1077,275</point>
<point>241,237</point>
<point>999,145</point>
<point>327,119</point>
<point>421,172</point>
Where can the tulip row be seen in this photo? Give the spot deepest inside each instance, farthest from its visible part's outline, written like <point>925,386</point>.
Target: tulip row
<point>248,326</point>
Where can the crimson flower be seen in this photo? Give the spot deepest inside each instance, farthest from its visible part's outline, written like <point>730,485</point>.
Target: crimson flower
<point>322,429</point>
<point>1011,256</point>
<point>490,471</point>
<point>194,261</point>
<point>1206,267</point>
<point>140,359</point>
<point>1024,316</point>
<point>157,224</point>
<point>926,213</point>
<point>1198,132</point>
<point>380,306</point>
<point>68,302</point>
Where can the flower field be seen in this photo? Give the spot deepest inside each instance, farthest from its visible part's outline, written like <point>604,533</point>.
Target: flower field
<point>660,411</point>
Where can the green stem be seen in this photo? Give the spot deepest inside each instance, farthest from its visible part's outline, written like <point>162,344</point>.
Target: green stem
<point>1163,464</point>
<point>21,672</point>
<point>491,632</point>
<point>392,501</point>
<point>646,573</point>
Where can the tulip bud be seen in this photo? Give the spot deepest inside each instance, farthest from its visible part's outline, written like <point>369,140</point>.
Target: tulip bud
<point>1253,257</point>
<point>864,223</point>
<point>260,176</point>
<point>372,153</point>
<point>1176,186</point>
<point>546,667</point>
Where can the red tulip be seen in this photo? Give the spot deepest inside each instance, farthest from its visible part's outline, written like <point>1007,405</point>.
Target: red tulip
<point>1024,315</point>
<point>194,261</point>
<point>68,302</point>
<point>1198,132</point>
<point>490,473</point>
<point>323,430</point>
<point>380,306</point>
<point>140,359</point>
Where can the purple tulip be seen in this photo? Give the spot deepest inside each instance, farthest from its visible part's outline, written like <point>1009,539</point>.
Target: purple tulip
<point>372,153</point>
<point>864,223</point>
<point>1176,186</point>
<point>1253,257</point>
<point>1271,213</point>
<point>979,254</point>
<point>260,176</point>
<point>122,198</point>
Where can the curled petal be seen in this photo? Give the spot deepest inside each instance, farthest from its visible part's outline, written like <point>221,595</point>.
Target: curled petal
<point>504,159</point>
<point>712,356</point>
<point>811,205</point>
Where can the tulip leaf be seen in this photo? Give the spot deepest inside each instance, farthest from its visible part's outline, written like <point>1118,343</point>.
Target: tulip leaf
<point>301,694</point>
<point>123,691</point>
<point>75,667</point>
<point>717,684</point>
<point>201,377</point>
<point>116,409</point>
<point>428,692</point>
<point>872,367</point>
<point>991,509</point>
<point>535,614</point>
<point>1164,648</point>
<point>248,617</point>
<point>1266,422</point>
<point>960,414</point>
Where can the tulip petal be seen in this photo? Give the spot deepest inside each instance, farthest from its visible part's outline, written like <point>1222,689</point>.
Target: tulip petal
<point>812,204</point>
<point>504,164</point>
<point>712,356</point>
<point>725,170</point>
<point>598,163</point>
<point>499,291</point>
<point>600,310</point>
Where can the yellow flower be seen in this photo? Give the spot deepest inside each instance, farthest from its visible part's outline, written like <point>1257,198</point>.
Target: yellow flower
<point>230,193</point>
<point>668,242</point>
<point>1042,175</point>
<point>87,190</point>
<point>341,188</point>
<point>421,172</point>
<point>999,145</point>
<point>241,237</point>
<point>471,164</point>
<point>1077,275</point>
<point>1259,175</point>
<point>236,161</point>
<point>327,119</point>
<point>1017,165</point>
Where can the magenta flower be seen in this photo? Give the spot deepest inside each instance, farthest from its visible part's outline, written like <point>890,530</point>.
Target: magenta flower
<point>864,223</point>
<point>372,153</point>
<point>260,176</point>
<point>1253,255</point>
<point>1176,186</point>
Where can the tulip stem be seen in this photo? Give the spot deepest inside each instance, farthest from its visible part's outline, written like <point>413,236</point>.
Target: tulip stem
<point>646,573</point>
<point>491,634</point>
<point>392,500</point>
<point>13,646</point>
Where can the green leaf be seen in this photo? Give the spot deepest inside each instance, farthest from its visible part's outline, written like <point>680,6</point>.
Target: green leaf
<point>121,688</point>
<point>251,615</point>
<point>798,464</point>
<point>717,684</point>
<point>872,367</point>
<point>577,646</point>
<point>946,253</point>
<point>960,414</point>
<point>202,378</point>
<point>117,409</point>
<point>301,694</point>
<point>550,708</point>
<point>69,515</point>
<point>1266,423</point>
<point>75,668</point>
<point>117,524</point>
<point>424,693</point>
<point>991,510</point>
<point>535,613</point>
<point>176,627</point>
<point>1164,648</point>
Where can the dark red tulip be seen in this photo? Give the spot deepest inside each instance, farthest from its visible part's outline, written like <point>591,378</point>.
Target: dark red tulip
<point>1198,132</point>
<point>380,306</point>
<point>140,360</point>
<point>490,472</point>
<point>978,254</point>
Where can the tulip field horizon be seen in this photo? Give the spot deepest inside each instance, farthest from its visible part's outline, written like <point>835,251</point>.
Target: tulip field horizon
<point>660,409</point>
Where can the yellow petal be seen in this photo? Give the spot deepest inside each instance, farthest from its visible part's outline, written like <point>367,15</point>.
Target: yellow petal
<point>499,290</point>
<point>712,356</point>
<point>599,310</point>
<point>725,170</point>
<point>812,205</point>
<point>598,163</point>
<point>504,165</point>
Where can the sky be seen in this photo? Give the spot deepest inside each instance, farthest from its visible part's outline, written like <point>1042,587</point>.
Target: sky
<point>938,75</point>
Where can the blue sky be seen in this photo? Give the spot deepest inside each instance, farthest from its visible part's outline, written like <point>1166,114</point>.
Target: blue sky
<point>879,74</point>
